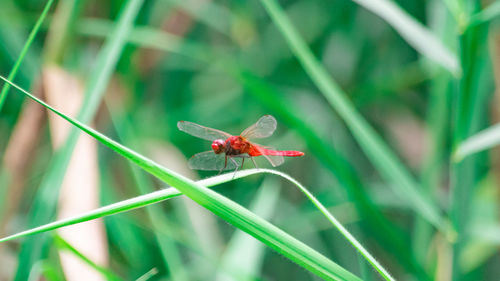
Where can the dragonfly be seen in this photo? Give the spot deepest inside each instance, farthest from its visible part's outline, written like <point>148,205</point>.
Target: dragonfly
<point>229,150</point>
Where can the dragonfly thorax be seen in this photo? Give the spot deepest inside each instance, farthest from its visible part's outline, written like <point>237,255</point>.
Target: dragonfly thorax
<point>218,146</point>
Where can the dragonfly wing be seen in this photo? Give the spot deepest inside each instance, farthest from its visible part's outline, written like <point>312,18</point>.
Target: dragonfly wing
<point>201,131</point>
<point>209,161</point>
<point>263,128</point>
<point>275,160</point>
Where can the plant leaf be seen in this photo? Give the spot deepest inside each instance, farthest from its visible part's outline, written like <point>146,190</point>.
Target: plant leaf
<point>483,140</point>
<point>377,151</point>
<point>415,33</point>
<point>24,51</point>
<point>487,14</point>
<point>225,208</point>
<point>44,206</point>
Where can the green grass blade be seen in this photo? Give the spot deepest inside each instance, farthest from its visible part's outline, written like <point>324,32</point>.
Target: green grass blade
<point>483,140</point>
<point>61,30</point>
<point>375,264</point>
<point>44,206</point>
<point>148,37</point>
<point>377,151</point>
<point>457,10</point>
<point>210,13</point>
<point>64,245</point>
<point>148,275</point>
<point>24,51</point>
<point>231,267</point>
<point>470,96</point>
<point>169,250</point>
<point>488,14</point>
<point>415,33</point>
<point>135,203</point>
<point>374,221</point>
<point>228,210</point>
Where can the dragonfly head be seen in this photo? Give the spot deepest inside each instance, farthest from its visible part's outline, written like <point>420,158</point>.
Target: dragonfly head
<point>218,146</point>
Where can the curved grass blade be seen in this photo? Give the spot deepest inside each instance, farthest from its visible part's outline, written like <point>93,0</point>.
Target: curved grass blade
<point>231,267</point>
<point>311,197</point>
<point>24,51</point>
<point>335,162</point>
<point>415,33</point>
<point>375,222</point>
<point>488,14</point>
<point>483,140</point>
<point>225,208</point>
<point>377,151</point>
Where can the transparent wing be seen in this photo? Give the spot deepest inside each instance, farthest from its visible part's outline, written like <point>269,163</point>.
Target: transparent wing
<point>209,161</point>
<point>263,128</point>
<point>275,160</point>
<point>201,131</point>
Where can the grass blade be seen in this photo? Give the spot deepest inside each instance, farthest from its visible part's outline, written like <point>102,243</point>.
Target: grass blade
<point>169,250</point>
<point>44,206</point>
<point>24,51</point>
<point>483,140</point>
<point>377,151</point>
<point>470,95</point>
<point>149,37</point>
<point>489,13</point>
<point>231,266</point>
<point>64,245</point>
<point>415,33</point>
<point>148,275</point>
<point>221,206</point>
<point>375,222</point>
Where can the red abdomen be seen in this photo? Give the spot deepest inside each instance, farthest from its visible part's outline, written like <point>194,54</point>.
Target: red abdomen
<point>257,151</point>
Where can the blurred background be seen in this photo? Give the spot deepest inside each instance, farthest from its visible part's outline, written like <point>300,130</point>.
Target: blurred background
<point>133,69</point>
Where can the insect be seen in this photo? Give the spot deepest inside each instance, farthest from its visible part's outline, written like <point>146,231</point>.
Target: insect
<point>228,150</point>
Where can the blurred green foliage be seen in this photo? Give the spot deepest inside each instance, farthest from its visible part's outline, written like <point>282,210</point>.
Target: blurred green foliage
<point>224,64</point>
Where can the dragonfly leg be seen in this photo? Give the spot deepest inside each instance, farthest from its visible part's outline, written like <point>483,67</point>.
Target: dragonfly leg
<point>255,164</point>
<point>225,165</point>
<point>237,166</point>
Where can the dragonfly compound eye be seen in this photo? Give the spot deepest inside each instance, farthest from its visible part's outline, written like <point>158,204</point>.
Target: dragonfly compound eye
<point>218,146</point>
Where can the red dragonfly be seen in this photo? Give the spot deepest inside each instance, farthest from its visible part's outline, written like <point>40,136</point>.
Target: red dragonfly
<point>234,148</point>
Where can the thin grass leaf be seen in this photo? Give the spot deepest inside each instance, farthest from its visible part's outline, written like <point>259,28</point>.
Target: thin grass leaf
<point>148,275</point>
<point>435,159</point>
<point>169,250</point>
<point>377,151</point>
<point>231,266</point>
<point>486,15</point>
<point>61,30</point>
<point>210,13</point>
<point>135,203</point>
<point>376,223</point>
<point>457,10</point>
<point>470,96</point>
<point>164,173</point>
<point>149,37</point>
<point>44,206</point>
<point>165,47</point>
<point>24,51</point>
<point>228,210</point>
<point>415,33</point>
<point>64,245</point>
<point>486,139</point>
<point>375,264</point>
